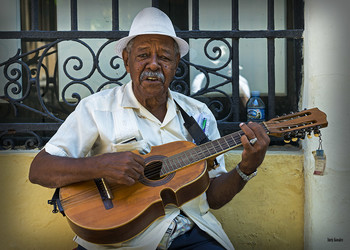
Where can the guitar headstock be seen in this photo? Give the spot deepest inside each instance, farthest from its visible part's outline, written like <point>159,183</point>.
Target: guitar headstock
<point>297,125</point>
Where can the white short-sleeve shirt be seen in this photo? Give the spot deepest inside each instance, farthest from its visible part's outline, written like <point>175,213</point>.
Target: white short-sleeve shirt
<point>104,121</point>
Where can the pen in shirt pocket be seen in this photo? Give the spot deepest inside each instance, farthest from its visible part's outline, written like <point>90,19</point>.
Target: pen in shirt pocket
<point>204,124</point>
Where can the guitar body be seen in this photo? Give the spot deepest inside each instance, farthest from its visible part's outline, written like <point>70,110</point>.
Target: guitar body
<point>134,207</point>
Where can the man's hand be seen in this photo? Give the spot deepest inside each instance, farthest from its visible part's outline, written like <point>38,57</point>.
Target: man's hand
<point>253,154</point>
<point>121,167</point>
<point>57,171</point>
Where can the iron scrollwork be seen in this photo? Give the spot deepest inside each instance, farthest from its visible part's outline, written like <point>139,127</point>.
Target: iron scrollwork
<point>34,95</point>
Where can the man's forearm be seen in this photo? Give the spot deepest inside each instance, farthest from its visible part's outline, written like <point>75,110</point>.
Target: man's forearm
<point>56,171</point>
<point>223,188</point>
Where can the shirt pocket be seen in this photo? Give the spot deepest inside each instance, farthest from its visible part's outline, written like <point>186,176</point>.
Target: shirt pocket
<point>141,146</point>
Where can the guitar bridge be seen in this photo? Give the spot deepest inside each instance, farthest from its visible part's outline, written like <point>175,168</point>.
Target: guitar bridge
<point>105,193</point>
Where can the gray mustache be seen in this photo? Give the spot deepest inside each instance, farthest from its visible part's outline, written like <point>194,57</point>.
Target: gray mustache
<point>157,74</point>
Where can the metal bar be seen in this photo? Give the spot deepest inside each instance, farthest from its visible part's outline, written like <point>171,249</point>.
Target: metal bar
<point>271,76</point>
<point>235,79</point>
<point>155,3</point>
<point>298,55</point>
<point>299,14</point>
<point>270,15</point>
<point>74,15</point>
<point>298,49</point>
<point>228,125</point>
<point>271,59</point>
<point>195,15</point>
<point>235,63</point>
<point>29,126</point>
<point>234,15</point>
<point>49,35</point>
<point>115,15</point>
<point>35,14</point>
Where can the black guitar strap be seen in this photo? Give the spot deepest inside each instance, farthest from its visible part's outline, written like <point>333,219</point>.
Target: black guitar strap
<point>194,129</point>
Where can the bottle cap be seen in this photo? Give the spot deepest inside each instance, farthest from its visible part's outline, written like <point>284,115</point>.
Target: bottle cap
<point>255,93</point>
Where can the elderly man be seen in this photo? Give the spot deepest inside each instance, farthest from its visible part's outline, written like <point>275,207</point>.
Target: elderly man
<point>96,140</point>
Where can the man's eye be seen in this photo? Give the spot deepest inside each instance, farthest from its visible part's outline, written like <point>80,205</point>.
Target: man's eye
<point>143,55</point>
<point>164,58</point>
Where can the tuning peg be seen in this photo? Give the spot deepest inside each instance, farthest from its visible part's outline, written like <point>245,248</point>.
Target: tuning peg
<point>293,136</point>
<point>287,137</point>
<point>317,131</point>
<point>309,131</point>
<point>301,134</point>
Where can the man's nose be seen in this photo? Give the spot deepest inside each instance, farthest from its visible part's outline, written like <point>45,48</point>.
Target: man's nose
<point>154,63</point>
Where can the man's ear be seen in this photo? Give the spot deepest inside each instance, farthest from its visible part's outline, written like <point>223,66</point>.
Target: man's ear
<point>126,60</point>
<point>177,60</point>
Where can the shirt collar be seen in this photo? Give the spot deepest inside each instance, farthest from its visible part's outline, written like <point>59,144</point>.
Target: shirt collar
<point>129,101</point>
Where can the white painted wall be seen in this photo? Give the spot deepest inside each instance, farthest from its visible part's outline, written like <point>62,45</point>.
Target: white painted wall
<point>327,86</point>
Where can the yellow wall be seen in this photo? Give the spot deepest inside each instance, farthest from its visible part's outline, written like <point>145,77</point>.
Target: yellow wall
<point>267,214</point>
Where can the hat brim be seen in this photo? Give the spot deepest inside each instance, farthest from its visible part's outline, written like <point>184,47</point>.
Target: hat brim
<point>123,42</point>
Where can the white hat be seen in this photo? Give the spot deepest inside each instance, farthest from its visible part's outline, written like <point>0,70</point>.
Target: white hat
<point>151,21</point>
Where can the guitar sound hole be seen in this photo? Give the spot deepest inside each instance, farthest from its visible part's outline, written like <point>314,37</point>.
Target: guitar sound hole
<point>152,170</point>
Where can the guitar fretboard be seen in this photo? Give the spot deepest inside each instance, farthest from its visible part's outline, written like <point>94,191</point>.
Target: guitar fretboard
<point>201,152</point>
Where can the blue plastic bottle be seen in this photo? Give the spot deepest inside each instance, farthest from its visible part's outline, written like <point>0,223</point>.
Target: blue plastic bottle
<point>255,108</point>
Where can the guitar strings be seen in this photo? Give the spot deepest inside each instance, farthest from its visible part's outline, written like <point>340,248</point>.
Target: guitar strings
<point>86,195</point>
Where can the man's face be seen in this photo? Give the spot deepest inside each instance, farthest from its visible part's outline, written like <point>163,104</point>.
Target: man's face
<point>152,64</point>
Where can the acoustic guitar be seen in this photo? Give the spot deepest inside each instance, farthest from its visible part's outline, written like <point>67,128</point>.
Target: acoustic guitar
<point>175,173</point>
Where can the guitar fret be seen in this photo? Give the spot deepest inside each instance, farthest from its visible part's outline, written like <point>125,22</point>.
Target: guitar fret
<point>198,157</point>
<point>181,160</point>
<point>172,164</point>
<point>221,149</point>
<point>167,165</point>
<point>232,141</point>
<point>207,149</point>
<point>189,157</point>
<point>185,159</point>
<point>179,163</point>
<point>228,145</point>
<point>213,147</point>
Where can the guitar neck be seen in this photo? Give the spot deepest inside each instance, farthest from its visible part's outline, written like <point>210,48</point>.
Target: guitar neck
<point>202,152</point>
